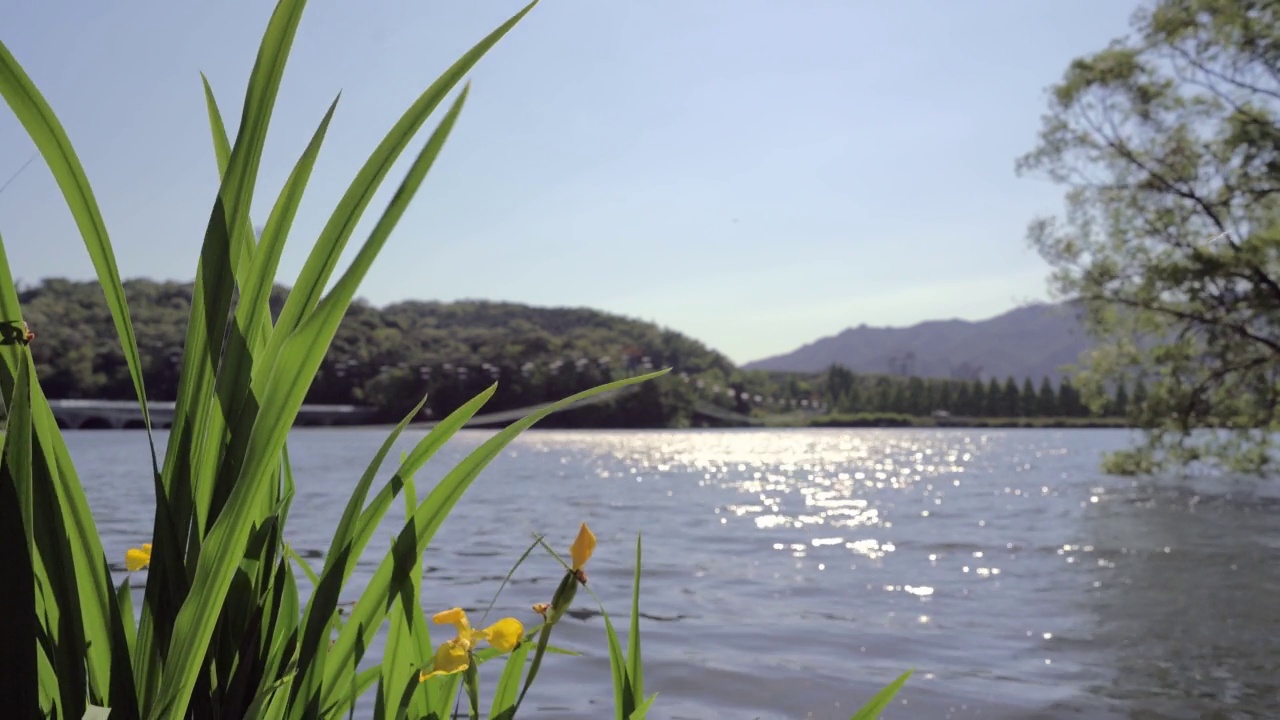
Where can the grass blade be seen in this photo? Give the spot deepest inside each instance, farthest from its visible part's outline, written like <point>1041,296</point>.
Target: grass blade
<point>624,700</point>
<point>343,534</point>
<point>198,433</point>
<point>303,350</point>
<point>643,708</point>
<point>625,692</point>
<point>401,657</point>
<point>508,688</point>
<point>87,646</point>
<point>350,539</point>
<point>19,665</point>
<point>320,264</point>
<point>31,109</point>
<point>635,670</point>
<point>371,609</point>
<point>124,600</point>
<point>195,620</point>
<point>221,145</point>
<point>239,177</point>
<point>94,712</point>
<point>881,700</point>
<point>252,327</point>
<point>17,450</point>
<point>282,396</point>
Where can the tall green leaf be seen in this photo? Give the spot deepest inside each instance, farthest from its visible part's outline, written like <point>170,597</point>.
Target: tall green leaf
<point>624,698</point>
<point>229,241</point>
<point>85,642</point>
<point>253,322</point>
<point>401,657</point>
<point>324,256</point>
<point>31,109</point>
<point>371,609</point>
<point>508,688</point>
<point>197,434</point>
<point>635,670</point>
<point>881,700</point>
<point>19,663</point>
<point>352,535</point>
<point>42,125</point>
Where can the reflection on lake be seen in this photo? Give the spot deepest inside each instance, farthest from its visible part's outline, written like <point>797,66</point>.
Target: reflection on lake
<point>791,573</point>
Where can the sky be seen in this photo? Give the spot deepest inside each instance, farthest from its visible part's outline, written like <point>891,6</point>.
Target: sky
<point>754,173</point>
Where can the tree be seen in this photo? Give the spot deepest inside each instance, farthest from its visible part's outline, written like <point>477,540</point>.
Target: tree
<point>853,400</point>
<point>1010,399</point>
<point>1047,403</point>
<point>879,400</point>
<point>964,400</point>
<point>840,383</point>
<point>916,403</point>
<point>897,399</point>
<point>995,399</point>
<point>978,399</point>
<point>1028,400</point>
<point>1168,143</point>
<point>943,397</point>
<point>1069,404</point>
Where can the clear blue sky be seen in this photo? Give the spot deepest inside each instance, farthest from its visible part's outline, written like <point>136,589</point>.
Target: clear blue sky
<point>755,173</point>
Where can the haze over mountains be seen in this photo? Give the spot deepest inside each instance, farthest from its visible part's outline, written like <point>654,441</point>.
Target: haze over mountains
<point>1030,341</point>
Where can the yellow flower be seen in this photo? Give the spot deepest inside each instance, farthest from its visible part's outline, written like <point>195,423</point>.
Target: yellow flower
<point>454,655</point>
<point>582,547</point>
<point>505,634</point>
<point>137,558</point>
<point>451,657</point>
<point>541,609</point>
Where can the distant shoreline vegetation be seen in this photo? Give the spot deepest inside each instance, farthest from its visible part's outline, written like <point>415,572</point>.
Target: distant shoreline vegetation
<point>882,420</point>
<point>384,358</point>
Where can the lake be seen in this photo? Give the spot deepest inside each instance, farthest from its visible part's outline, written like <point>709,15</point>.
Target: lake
<point>791,573</point>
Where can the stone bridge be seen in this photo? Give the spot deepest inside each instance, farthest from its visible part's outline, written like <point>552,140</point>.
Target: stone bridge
<point>124,414</point>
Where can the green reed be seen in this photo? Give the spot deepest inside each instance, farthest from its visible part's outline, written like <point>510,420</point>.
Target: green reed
<point>223,632</point>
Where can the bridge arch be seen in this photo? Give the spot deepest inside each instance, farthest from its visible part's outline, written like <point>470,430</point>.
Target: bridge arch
<point>95,422</point>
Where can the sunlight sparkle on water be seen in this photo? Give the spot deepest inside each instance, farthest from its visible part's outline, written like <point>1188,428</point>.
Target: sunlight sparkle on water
<point>822,496</point>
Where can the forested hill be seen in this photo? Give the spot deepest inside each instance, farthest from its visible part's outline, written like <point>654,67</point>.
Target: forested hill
<point>386,357</point>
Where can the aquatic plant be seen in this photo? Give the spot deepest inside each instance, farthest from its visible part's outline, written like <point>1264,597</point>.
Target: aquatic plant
<point>223,631</point>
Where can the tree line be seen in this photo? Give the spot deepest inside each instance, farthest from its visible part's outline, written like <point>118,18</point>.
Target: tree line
<point>849,392</point>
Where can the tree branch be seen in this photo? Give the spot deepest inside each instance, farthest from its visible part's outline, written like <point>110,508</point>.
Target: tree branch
<point>1239,84</point>
<point>1240,330</point>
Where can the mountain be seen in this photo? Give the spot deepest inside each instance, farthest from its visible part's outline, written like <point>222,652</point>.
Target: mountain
<point>1030,341</point>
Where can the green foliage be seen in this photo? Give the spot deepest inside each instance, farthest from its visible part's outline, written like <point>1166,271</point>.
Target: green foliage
<point>867,419</point>
<point>223,631</point>
<point>1168,142</point>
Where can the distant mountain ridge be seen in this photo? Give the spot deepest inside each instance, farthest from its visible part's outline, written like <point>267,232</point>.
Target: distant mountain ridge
<point>1030,341</point>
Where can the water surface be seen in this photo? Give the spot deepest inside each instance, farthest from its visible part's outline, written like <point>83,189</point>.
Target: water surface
<point>791,573</point>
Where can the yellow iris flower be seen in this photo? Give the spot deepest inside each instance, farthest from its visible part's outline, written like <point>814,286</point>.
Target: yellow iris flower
<point>137,558</point>
<point>583,546</point>
<point>454,656</point>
